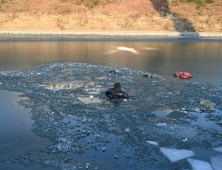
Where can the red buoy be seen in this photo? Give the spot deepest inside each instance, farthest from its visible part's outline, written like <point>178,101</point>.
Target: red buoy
<point>184,75</point>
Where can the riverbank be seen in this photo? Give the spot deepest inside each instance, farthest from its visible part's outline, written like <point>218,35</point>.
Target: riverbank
<point>111,33</point>
<point>112,15</point>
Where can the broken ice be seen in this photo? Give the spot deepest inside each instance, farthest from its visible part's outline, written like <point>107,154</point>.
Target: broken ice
<point>216,162</point>
<point>184,140</point>
<point>152,143</point>
<point>199,165</point>
<point>115,156</point>
<point>76,93</point>
<point>104,149</point>
<point>219,149</point>
<point>92,100</point>
<point>175,154</point>
<point>161,124</point>
<point>127,130</point>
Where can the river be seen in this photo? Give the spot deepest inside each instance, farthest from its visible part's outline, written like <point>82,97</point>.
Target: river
<point>55,115</point>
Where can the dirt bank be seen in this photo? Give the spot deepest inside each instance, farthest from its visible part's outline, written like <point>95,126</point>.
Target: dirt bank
<point>112,15</point>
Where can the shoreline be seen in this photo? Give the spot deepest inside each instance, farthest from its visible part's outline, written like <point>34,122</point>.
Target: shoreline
<point>111,33</point>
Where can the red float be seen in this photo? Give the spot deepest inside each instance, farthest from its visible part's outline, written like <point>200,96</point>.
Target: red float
<point>183,75</point>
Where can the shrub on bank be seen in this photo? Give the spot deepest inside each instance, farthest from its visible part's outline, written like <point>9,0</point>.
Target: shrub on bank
<point>112,15</point>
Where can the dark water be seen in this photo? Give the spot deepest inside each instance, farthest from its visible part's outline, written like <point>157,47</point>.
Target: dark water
<point>201,57</point>
<point>56,115</point>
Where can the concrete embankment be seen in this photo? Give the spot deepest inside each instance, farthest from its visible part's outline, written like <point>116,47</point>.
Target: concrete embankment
<point>111,33</point>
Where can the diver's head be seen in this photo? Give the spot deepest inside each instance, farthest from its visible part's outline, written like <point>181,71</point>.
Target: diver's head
<point>117,86</point>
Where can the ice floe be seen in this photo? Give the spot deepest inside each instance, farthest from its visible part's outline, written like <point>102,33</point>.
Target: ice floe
<point>199,165</point>
<point>176,154</point>
<point>152,143</point>
<point>89,100</point>
<point>216,162</point>
<point>219,149</point>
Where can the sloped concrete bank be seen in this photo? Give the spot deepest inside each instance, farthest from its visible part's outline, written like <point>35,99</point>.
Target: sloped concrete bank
<point>111,33</point>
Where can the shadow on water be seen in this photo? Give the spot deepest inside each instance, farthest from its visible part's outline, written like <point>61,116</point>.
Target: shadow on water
<point>180,24</point>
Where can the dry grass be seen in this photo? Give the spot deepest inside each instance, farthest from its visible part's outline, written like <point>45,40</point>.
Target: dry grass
<point>112,15</point>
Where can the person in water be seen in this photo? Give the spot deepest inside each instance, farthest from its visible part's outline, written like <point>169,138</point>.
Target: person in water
<point>116,92</point>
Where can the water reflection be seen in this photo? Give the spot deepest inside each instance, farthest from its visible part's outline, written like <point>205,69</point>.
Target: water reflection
<point>117,49</point>
<point>15,128</point>
<point>200,57</point>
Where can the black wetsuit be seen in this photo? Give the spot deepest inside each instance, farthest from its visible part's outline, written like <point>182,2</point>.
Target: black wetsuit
<point>116,94</point>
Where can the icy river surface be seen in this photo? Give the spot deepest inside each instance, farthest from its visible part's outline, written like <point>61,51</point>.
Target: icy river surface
<point>55,115</point>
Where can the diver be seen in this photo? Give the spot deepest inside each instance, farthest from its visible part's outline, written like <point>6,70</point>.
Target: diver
<point>116,92</point>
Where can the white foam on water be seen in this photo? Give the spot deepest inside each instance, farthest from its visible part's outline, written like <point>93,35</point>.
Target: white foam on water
<point>219,149</point>
<point>199,165</point>
<point>175,154</point>
<point>216,162</point>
